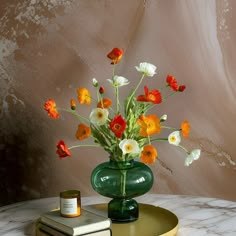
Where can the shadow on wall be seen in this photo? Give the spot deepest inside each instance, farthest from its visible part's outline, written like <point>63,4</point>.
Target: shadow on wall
<point>22,156</point>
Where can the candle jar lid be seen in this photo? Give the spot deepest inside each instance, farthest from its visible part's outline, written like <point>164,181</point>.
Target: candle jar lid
<point>70,193</point>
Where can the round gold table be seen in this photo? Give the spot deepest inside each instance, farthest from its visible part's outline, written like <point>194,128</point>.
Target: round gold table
<point>152,221</point>
<point>197,215</point>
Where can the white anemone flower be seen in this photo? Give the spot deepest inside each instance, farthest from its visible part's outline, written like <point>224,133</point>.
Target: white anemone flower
<point>193,156</point>
<point>147,69</point>
<point>129,146</point>
<point>99,116</point>
<point>174,138</point>
<point>118,81</point>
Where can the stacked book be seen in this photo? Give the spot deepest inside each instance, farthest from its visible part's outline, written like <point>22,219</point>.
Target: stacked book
<point>87,224</point>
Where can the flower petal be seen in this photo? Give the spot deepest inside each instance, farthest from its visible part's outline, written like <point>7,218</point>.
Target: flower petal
<point>118,81</point>
<point>174,138</point>
<point>115,55</point>
<point>154,96</point>
<point>99,116</point>
<point>118,125</point>
<point>185,128</point>
<point>149,154</point>
<point>83,131</point>
<point>147,69</point>
<point>129,146</point>
<point>193,156</point>
<point>84,96</point>
<point>50,107</point>
<point>62,149</point>
<point>149,125</point>
<point>105,103</point>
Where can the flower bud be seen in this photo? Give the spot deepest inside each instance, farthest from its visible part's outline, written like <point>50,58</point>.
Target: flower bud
<point>181,88</point>
<point>101,90</point>
<point>95,82</point>
<point>163,118</point>
<point>72,104</point>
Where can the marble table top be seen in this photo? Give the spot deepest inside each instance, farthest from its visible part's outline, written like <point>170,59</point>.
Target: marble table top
<point>198,216</point>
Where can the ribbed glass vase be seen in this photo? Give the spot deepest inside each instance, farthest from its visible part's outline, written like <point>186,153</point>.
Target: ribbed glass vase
<point>122,181</point>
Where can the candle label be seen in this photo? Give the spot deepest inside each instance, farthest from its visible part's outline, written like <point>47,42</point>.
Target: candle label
<point>69,206</point>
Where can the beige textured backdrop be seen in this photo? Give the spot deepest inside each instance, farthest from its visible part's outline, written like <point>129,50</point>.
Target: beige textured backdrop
<point>50,47</point>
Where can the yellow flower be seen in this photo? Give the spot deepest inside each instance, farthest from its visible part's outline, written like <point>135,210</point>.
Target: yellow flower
<point>149,154</point>
<point>149,125</point>
<point>84,96</point>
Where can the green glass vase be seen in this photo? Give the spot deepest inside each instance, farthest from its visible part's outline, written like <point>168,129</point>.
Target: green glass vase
<point>122,181</point>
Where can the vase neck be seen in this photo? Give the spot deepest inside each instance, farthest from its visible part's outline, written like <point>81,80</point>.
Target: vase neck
<point>121,164</point>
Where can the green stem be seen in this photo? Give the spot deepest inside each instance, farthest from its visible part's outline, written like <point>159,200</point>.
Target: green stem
<point>159,139</point>
<point>169,95</point>
<point>123,182</point>
<point>84,145</point>
<point>74,113</point>
<point>98,95</point>
<point>134,91</point>
<point>117,100</point>
<point>183,148</point>
<point>167,127</point>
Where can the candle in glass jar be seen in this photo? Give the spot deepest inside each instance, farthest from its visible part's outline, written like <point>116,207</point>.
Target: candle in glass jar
<point>70,203</point>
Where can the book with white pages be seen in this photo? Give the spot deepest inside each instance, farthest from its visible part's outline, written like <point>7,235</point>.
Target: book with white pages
<point>87,222</point>
<point>45,230</point>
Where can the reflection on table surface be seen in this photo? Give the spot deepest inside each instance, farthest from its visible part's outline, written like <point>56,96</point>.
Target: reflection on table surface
<point>197,215</point>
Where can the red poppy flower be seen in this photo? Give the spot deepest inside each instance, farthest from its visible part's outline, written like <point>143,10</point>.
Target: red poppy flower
<point>172,82</point>
<point>115,55</point>
<point>50,107</point>
<point>154,96</point>
<point>118,125</point>
<point>62,149</point>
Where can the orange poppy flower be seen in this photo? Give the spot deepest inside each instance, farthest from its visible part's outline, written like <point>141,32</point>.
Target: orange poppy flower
<point>62,149</point>
<point>185,128</point>
<point>84,96</point>
<point>149,125</point>
<point>154,96</point>
<point>50,107</point>
<point>104,103</point>
<point>83,132</point>
<point>149,154</point>
<point>115,55</point>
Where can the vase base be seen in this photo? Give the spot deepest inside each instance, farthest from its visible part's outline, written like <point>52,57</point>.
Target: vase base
<point>123,210</point>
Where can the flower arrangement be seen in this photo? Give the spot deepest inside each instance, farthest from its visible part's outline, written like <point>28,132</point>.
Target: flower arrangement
<point>129,131</point>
